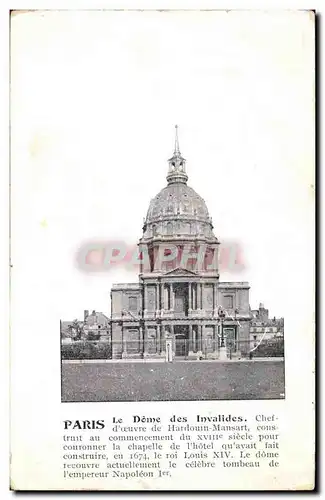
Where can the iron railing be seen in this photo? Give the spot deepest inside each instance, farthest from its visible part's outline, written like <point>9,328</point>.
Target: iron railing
<point>180,349</point>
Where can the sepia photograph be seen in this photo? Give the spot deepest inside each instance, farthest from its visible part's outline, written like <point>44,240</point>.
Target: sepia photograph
<point>179,332</point>
<point>178,198</point>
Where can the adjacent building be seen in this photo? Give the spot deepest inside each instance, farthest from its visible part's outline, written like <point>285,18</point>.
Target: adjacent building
<point>263,328</point>
<point>94,326</point>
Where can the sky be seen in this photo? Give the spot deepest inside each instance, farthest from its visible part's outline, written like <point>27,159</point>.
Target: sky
<point>95,96</point>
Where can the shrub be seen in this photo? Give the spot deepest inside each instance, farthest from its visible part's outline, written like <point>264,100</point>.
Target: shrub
<point>86,350</point>
<point>93,336</point>
<point>270,348</point>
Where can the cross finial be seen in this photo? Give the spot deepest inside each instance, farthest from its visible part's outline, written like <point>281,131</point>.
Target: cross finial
<point>176,151</point>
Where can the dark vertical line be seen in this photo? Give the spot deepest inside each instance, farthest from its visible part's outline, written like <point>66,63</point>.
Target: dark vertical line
<point>317,104</point>
<point>9,227</point>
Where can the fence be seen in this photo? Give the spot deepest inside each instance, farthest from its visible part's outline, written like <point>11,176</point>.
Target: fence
<point>181,348</point>
<point>210,348</point>
<point>268,348</point>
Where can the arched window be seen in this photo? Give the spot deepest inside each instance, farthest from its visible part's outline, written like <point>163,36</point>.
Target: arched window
<point>169,228</point>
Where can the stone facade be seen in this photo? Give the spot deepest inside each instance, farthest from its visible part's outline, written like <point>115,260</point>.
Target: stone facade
<point>178,298</point>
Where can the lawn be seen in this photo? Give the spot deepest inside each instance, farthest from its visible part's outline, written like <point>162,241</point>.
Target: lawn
<point>181,381</point>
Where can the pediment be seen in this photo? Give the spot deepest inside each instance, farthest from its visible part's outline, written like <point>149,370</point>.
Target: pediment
<point>180,271</point>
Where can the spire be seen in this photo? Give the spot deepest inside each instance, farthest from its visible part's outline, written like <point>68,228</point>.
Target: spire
<point>176,170</point>
<point>176,150</point>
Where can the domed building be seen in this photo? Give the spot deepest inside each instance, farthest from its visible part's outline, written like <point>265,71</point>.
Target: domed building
<point>179,304</point>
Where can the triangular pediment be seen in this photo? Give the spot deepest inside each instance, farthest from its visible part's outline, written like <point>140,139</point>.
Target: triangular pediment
<point>180,271</point>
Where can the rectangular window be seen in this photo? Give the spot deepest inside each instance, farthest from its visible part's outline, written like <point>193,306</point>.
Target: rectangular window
<point>133,342</point>
<point>133,304</point>
<point>228,302</point>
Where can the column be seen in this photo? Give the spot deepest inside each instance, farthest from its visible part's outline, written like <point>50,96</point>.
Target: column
<point>200,337</point>
<point>215,338</point>
<point>157,298</point>
<point>166,297</point>
<point>122,337</point>
<point>145,305</point>
<point>145,340</point>
<point>162,340</point>
<point>141,337</point>
<point>190,296</point>
<point>203,345</point>
<point>158,347</point>
<point>197,338</point>
<point>219,334</point>
<point>215,302</point>
<point>172,298</point>
<point>190,338</point>
<point>201,298</point>
<point>162,297</point>
<point>124,350</point>
<point>194,339</point>
<point>173,339</point>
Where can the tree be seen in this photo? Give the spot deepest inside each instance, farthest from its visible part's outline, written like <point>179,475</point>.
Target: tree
<point>93,335</point>
<point>76,330</point>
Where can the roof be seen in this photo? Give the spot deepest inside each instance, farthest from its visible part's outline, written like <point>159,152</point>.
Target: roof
<point>97,318</point>
<point>233,284</point>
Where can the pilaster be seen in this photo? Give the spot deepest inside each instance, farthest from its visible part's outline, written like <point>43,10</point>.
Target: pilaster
<point>157,299</point>
<point>162,341</point>
<point>190,307</point>
<point>145,293</point>
<point>191,347</point>
<point>215,300</point>
<point>124,350</point>
<point>158,347</point>
<point>145,341</point>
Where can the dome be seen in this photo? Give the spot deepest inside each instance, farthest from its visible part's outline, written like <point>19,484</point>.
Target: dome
<point>177,210</point>
<point>177,199</point>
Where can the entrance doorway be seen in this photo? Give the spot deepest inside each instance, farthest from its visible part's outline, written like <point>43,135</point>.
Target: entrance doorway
<point>181,340</point>
<point>181,299</point>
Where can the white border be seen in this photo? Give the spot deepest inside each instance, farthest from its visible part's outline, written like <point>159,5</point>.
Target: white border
<point>4,143</point>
